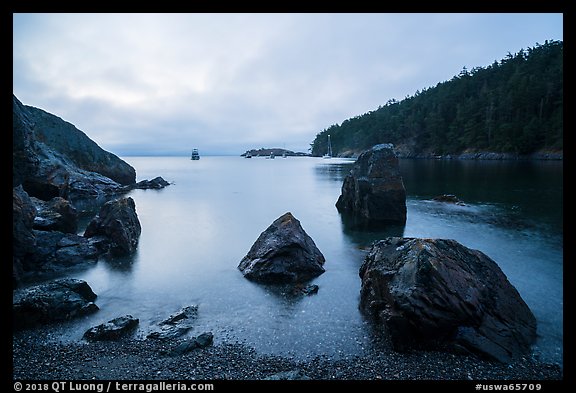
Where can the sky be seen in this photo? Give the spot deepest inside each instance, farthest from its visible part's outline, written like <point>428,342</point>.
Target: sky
<point>162,84</point>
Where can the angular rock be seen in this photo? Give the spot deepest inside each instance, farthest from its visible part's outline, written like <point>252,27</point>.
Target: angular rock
<point>283,253</point>
<point>177,324</point>
<point>58,214</point>
<point>55,301</point>
<point>373,193</point>
<point>118,222</point>
<point>437,292</point>
<point>112,330</point>
<point>202,341</point>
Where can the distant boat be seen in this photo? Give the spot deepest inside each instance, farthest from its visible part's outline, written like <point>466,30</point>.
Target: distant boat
<point>329,153</point>
<point>195,155</point>
<point>272,155</point>
<point>248,155</point>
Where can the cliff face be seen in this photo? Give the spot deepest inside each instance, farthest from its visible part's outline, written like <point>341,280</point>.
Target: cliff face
<point>81,150</point>
<point>53,158</point>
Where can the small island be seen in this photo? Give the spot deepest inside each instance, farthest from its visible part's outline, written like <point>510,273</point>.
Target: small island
<point>272,151</point>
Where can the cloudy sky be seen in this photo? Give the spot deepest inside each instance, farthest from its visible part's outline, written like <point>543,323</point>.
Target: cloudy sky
<point>225,83</point>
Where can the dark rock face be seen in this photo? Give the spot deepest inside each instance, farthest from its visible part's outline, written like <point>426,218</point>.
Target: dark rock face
<point>23,238</point>
<point>51,158</point>
<point>283,253</point>
<point>56,250</point>
<point>57,214</point>
<point>118,222</point>
<point>112,330</point>
<point>65,138</point>
<point>55,301</point>
<point>177,324</point>
<point>373,192</point>
<point>438,292</point>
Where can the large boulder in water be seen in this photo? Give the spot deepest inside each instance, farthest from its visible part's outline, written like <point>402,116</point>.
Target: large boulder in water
<point>438,292</point>
<point>373,192</point>
<point>118,223</point>
<point>283,253</point>
<point>59,300</point>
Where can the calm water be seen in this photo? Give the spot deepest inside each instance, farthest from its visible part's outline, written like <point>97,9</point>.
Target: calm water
<point>195,232</point>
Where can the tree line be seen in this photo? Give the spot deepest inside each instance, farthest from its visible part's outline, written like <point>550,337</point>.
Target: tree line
<point>514,105</point>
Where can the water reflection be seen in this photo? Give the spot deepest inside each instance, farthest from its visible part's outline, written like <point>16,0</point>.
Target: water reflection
<point>333,171</point>
<point>363,236</point>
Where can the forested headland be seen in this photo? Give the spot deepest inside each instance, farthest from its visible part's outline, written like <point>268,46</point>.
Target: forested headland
<point>513,106</point>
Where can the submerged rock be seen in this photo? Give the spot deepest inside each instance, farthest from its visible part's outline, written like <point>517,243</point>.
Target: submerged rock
<point>448,198</point>
<point>373,192</point>
<point>59,300</point>
<point>283,253</point>
<point>154,184</point>
<point>438,292</point>
<point>112,330</point>
<point>118,222</point>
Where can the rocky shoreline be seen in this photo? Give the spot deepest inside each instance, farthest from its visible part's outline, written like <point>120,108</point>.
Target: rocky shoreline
<point>39,355</point>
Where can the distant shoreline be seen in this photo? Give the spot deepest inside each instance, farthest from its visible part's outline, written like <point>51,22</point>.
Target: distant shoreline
<point>486,156</point>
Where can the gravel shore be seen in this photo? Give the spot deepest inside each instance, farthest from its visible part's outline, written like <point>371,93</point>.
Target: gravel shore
<point>37,356</point>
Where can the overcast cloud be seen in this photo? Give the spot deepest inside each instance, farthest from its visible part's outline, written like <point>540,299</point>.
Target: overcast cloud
<point>225,83</point>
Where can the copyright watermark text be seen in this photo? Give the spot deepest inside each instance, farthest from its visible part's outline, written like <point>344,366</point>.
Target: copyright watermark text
<point>110,386</point>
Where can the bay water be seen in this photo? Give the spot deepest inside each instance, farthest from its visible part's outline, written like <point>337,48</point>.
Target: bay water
<point>196,231</point>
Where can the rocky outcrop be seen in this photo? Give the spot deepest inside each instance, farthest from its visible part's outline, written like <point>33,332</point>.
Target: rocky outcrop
<point>84,153</point>
<point>438,292</point>
<point>373,192</point>
<point>23,238</point>
<point>112,330</point>
<point>57,214</point>
<point>117,222</point>
<point>52,158</point>
<point>283,253</point>
<point>154,184</point>
<point>56,251</point>
<point>59,300</point>
<point>177,324</point>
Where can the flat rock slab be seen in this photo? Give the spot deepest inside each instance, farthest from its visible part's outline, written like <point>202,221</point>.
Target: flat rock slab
<point>56,301</point>
<point>112,330</point>
<point>177,324</point>
<point>202,341</point>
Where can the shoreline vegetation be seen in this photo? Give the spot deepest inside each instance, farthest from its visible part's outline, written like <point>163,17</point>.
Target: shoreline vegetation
<point>511,107</point>
<point>38,355</point>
